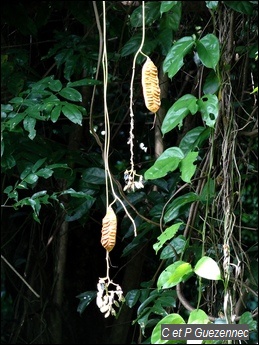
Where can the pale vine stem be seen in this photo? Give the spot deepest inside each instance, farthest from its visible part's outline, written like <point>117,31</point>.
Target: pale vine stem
<point>131,139</point>
<point>108,177</point>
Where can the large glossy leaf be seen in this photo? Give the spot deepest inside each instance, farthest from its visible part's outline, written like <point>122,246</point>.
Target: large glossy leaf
<point>168,161</point>
<point>207,268</point>
<point>209,108</point>
<point>71,94</point>
<point>240,6</point>
<point>167,5</point>
<point>175,206</point>
<point>174,59</point>
<point>172,319</point>
<point>174,274</point>
<point>208,50</point>
<point>187,167</point>
<point>72,112</point>
<point>178,111</point>
<point>167,235</point>
<point>190,140</point>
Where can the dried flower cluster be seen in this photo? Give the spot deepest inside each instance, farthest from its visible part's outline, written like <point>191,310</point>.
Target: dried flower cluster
<point>131,184</point>
<point>106,300</point>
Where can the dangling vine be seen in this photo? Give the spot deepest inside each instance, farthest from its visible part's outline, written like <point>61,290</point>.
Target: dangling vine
<point>151,92</point>
<point>105,297</point>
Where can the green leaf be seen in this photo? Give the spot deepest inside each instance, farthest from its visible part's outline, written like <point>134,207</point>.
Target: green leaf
<point>209,108</point>
<point>171,20</point>
<point>247,319</point>
<point>71,94</point>
<point>178,111</point>
<point>174,59</point>
<point>190,141</point>
<point>55,85</point>
<point>45,172</point>
<point>167,5</point>
<point>31,178</point>
<point>72,112</point>
<point>132,297</point>
<point>187,167</point>
<point>146,302</point>
<point>151,14</point>
<point>84,82</point>
<point>173,209</point>
<point>16,100</point>
<point>133,45</point>
<point>198,316</point>
<point>171,319</point>
<point>75,194</point>
<point>25,172</point>
<point>208,191</point>
<point>38,164</point>
<point>168,161</point>
<point>208,50</point>
<point>39,194</point>
<point>211,84</point>
<point>94,175</point>
<point>164,39</point>
<point>174,274</point>
<point>29,125</point>
<point>240,6</point>
<point>55,113</point>
<point>85,299</point>
<point>80,210</point>
<point>207,268</point>
<point>167,235</point>
<point>177,245</point>
<point>12,123</point>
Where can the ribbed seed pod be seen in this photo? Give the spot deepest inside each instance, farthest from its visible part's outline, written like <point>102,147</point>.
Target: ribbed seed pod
<point>150,85</point>
<point>109,229</point>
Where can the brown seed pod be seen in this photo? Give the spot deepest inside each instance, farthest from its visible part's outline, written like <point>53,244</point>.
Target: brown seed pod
<point>150,85</point>
<point>109,229</point>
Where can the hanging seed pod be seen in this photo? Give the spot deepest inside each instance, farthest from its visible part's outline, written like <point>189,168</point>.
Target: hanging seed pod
<point>109,229</point>
<point>150,85</point>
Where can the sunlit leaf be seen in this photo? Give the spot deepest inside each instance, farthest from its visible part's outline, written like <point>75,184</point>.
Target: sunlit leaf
<point>168,161</point>
<point>207,268</point>
<point>167,235</point>
<point>174,274</point>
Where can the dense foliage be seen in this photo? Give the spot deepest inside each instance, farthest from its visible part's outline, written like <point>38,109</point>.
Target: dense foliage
<point>195,206</point>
